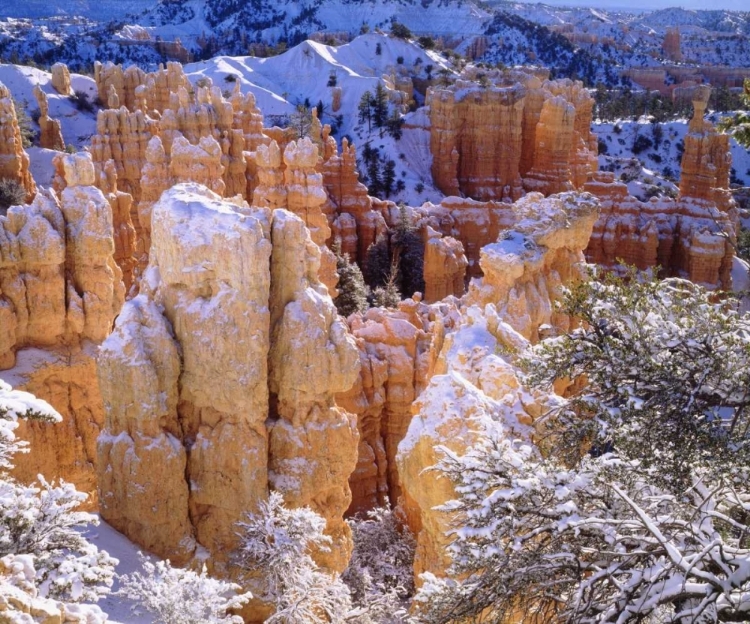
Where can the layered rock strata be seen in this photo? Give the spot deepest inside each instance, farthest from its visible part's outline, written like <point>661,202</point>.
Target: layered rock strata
<point>511,132</point>
<point>444,267</point>
<point>689,237</point>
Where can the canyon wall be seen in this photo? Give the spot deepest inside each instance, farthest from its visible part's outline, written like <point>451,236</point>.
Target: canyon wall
<point>60,290</point>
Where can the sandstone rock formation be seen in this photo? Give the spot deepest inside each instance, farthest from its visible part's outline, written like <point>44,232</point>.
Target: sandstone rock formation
<point>14,161</point>
<point>691,236</point>
<point>50,136</point>
<point>219,379</point>
<point>474,374</point>
<point>671,46</point>
<point>124,232</point>
<point>474,224</point>
<point>397,350</point>
<point>444,267</point>
<point>60,290</point>
<point>61,79</point>
<point>513,131</point>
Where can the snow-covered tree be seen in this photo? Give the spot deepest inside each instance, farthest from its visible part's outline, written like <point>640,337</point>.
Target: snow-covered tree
<point>630,502</point>
<point>352,289</point>
<point>40,520</point>
<point>380,574</point>
<point>178,596</point>
<point>739,125</point>
<point>277,546</point>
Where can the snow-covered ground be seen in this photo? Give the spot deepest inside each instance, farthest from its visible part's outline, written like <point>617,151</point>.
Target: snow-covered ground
<point>661,154</point>
<point>77,126</point>
<point>119,608</point>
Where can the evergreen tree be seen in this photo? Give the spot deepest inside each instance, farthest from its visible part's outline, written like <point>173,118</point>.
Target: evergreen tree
<point>409,252</point>
<point>389,177</point>
<point>380,107</point>
<point>352,289</point>
<point>365,109</point>
<point>388,295</point>
<point>301,121</point>
<point>394,123</point>
<point>626,501</point>
<point>739,126</point>
<point>373,173</point>
<point>378,262</point>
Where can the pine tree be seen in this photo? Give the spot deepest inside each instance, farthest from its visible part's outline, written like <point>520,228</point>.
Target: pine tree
<point>389,177</point>
<point>388,295</point>
<point>409,253</point>
<point>394,123</point>
<point>378,262</point>
<point>380,107</point>
<point>352,289</point>
<point>739,126</point>
<point>365,109</point>
<point>373,173</point>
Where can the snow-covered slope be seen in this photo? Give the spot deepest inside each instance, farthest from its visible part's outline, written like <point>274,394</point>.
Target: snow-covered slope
<point>658,148</point>
<point>293,19</point>
<point>301,76</point>
<point>77,126</point>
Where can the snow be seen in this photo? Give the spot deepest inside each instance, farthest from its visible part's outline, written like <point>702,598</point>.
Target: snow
<point>656,163</point>
<point>77,126</point>
<point>119,608</point>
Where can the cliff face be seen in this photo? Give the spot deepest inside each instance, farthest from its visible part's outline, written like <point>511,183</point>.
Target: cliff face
<point>200,422</point>
<point>472,375</point>
<point>688,237</point>
<point>516,132</point>
<point>14,161</point>
<point>60,289</point>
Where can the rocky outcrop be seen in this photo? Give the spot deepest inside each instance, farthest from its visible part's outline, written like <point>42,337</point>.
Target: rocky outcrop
<point>474,374</point>
<point>474,224</point>
<point>671,46</point>
<point>350,203</point>
<point>124,232</point>
<point>60,290</point>
<point>397,351</point>
<point>218,382</point>
<point>486,124</point>
<point>61,79</point>
<point>122,137</point>
<point>492,136</point>
<point>690,237</point>
<point>551,171</point>
<point>312,442</point>
<point>50,131</point>
<point>136,89</point>
<point>444,267</point>
<point>14,161</point>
